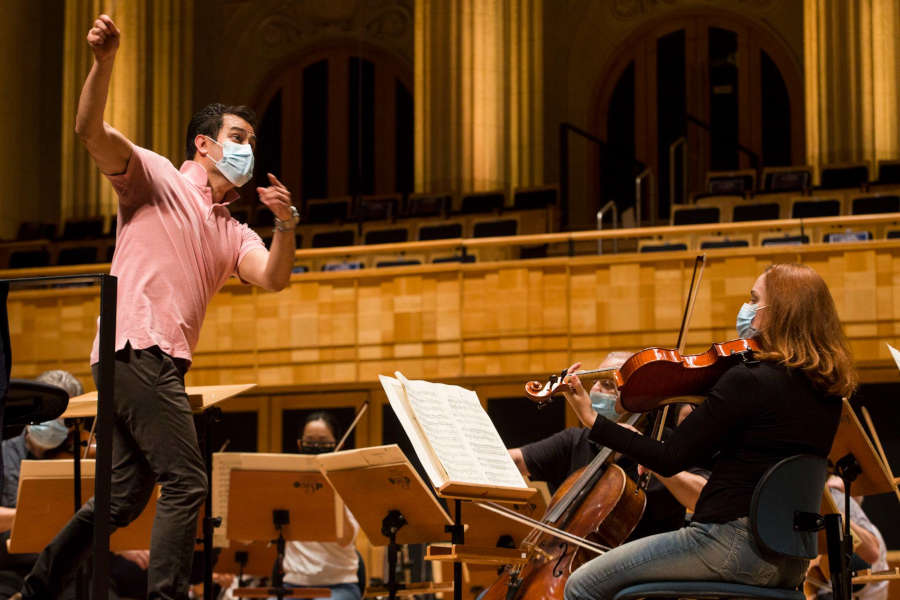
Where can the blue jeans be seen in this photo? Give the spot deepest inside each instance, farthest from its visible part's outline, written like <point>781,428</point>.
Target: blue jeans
<point>699,552</point>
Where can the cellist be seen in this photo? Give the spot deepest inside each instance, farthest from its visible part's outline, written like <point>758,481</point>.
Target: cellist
<point>554,458</point>
<point>786,402</point>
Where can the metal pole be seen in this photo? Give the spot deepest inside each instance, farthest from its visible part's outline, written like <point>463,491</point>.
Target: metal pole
<point>105,395</point>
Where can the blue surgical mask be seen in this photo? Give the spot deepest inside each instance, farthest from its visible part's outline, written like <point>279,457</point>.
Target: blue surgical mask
<point>48,435</point>
<point>745,318</point>
<point>604,404</point>
<point>236,164</point>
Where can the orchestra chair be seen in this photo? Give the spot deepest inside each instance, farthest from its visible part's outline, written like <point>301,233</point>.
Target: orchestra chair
<point>783,520</point>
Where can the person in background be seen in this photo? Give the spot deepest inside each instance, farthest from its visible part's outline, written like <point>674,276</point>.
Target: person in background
<point>869,552</point>
<point>333,565</point>
<point>37,442</point>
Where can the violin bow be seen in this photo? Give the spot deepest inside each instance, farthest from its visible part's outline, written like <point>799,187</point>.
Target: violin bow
<point>696,276</point>
<point>359,414</point>
<point>881,452</point>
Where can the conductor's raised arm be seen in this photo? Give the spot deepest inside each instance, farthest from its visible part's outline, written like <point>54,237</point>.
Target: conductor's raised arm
<point>106,145</point>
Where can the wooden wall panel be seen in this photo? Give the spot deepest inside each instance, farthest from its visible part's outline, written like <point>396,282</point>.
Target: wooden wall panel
<point>513,319</point>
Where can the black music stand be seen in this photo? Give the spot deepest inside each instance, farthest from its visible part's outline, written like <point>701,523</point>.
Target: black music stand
<point>105,385</point>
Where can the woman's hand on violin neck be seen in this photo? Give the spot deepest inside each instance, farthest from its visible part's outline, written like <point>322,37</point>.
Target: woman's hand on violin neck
<point>579,399</point>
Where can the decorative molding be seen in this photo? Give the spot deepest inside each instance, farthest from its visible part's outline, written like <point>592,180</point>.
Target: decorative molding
<point>630,9</point>
<point>288,25</point>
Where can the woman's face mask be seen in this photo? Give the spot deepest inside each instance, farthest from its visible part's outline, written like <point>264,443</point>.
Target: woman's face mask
<point>744,322</point>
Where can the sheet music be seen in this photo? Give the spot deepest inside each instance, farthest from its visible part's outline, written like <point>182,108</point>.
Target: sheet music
<point>895,354</point>
<point>430,403</point>
<point>455,430</point>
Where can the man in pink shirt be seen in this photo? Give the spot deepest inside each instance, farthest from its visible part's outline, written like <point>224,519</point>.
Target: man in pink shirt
<point>176,246</point>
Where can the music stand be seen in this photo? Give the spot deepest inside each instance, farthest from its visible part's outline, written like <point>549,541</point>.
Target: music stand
<point>247,558</point>
<point>392,504</point>
<point>276,498</point>
<point>856,462</point>
<point>46,492</point>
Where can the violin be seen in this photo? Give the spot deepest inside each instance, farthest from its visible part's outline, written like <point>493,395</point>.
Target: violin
<point>654,377</point>
<point>87,447</point>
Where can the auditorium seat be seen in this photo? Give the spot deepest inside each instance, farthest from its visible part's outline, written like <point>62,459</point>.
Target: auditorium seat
<point>657,246</point>
<point>77,255</point>
<point>393,235</point>
<point>713,244</point>
<point>694,215</point>
<point>844,175</point>
<point>872,204</point>
<point>300,269</point>
<point>399,262</point>
<point>888,173</point>
<point>724,202</point>
<point>28,259</point>
<point>335,238</point>
<point>893,234</point>
<point>495,228</point>
<point>846,236</point>
<point>731,182</point>
<point>30,230</point>
<point>786,179</point>
<point>786,240</point>
<point>534,198</point>
<point>439,231</point>
<point>756,211</point>
<point>327,210</point>
<point>353,265</point>
<point>428,205</point>
<point>482,202</point>
<point>384,207</point>
<point>806,208</point>
<point>83,229</point>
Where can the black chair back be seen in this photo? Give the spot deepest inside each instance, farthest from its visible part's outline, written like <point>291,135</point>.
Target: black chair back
<point>790,488</point>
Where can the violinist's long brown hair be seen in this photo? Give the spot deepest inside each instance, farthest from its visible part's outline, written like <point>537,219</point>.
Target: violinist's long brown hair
<point>802,329</point>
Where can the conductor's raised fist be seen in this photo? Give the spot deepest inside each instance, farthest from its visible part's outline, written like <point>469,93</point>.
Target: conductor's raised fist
<point>103,38</point>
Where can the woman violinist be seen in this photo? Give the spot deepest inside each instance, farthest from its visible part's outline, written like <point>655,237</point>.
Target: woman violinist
<point>786,402</point>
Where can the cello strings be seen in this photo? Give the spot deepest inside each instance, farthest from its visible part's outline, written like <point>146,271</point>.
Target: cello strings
<point>513,515</point>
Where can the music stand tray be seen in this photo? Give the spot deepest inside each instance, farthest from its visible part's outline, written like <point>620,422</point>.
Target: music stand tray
<point>44,506</point>
<point>374,481</point>
<point>200,397</point>
<point>851,438</point>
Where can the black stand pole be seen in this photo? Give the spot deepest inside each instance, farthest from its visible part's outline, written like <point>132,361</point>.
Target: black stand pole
<point>457,538</point>
<point>390,525</point>
<point>848,469</point>
<point>105,415</point>
<point>80,592</point>
<point>241,557</point>
<point>280,518</point>
<point>210,522</point>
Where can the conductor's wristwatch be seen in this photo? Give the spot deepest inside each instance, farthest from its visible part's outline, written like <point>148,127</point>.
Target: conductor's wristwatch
<point>288,224</point>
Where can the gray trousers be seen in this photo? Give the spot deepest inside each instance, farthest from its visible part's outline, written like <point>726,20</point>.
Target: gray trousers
<point>154,440</point>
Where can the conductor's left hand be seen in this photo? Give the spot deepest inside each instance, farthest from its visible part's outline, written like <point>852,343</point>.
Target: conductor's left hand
<point>277,197</point>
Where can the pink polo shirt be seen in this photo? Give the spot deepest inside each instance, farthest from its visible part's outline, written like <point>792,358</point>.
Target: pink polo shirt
<point>175,248</point>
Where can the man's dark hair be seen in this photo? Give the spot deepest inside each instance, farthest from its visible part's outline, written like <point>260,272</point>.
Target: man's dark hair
<point>208,121</point>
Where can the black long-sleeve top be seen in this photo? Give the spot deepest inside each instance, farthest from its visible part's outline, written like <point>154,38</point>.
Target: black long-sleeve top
<point>753,417</point>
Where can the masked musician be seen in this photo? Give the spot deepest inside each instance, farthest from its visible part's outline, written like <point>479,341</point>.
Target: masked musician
<point>333,565</point>
<point>756,415</point>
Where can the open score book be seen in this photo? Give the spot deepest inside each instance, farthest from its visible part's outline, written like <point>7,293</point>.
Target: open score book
<point>453,436</point>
